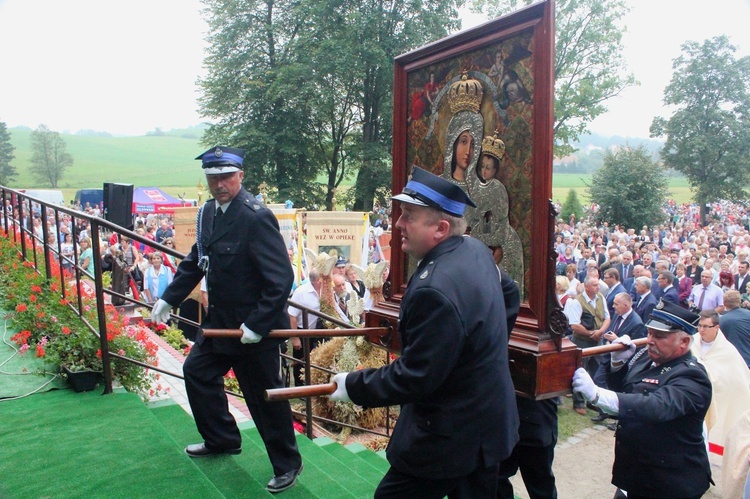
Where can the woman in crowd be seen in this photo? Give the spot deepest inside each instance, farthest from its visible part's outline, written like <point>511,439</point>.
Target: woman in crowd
<point>86,260</point>
<point>351,276</point>
<point>66,248</point>
<point>133,259</point>
<point>570,273</point>
<point>169,260</point>
<point>726,280</point>
<point>562,285</point>
<point>684,284</point>
<point>694,270</point>
<point>157,277</point>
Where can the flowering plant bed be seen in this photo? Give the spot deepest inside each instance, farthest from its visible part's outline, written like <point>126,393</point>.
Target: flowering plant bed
<point>45,314</point>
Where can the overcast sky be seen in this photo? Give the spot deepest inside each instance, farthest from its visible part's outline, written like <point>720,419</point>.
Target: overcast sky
<point>129,67</point>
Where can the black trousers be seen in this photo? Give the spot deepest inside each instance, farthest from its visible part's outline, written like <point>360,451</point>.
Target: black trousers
<point>535,464</point>
<point>204,370</point>
<point>479,484</point>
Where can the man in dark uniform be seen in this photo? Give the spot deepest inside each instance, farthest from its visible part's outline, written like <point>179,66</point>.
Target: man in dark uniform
<point>661,395</point>
<point>535,451</point>
<point>458,419</point>
<point>242,254</point>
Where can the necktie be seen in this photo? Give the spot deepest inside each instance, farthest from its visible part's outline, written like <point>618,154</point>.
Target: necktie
<point>700,301</point>
<point>625,272</point>
<point>342,305</point>
<point>219,214</point>
<point>618,323</point>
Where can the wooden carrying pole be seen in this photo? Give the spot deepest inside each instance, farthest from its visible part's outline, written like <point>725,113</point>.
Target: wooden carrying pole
<point>370,332</point>
<point>277,394</point>
<point>612,347</point>
<point>327,389</point>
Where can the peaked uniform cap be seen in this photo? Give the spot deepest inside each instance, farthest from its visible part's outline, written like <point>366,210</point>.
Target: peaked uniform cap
<point>669,317</point>
<point>220,159</point>
<point>426,189</point>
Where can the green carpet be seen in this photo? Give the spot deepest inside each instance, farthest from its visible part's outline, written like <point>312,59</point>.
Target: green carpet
<point>69,445</point>
<point>19,372</point>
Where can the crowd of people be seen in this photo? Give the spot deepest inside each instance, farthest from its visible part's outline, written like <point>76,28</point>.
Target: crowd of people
<point>148,271</point>
<point>685,287</point>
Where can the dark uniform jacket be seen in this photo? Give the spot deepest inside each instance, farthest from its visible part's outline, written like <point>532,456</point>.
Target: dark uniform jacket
<point>249,276</point>
<point>659,447</point>
<point>452,378</point>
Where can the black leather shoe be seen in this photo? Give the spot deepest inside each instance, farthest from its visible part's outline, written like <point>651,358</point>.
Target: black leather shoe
<point>592,406</point>
<point>612,426</point>
<point>201,450</point>
<point>283,482</point>
<point>599,418</point>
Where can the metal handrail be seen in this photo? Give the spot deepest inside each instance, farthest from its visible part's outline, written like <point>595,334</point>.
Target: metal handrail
<point>96,224</point>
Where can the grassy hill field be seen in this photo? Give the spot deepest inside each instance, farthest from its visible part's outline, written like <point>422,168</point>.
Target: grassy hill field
<point>166,161</point>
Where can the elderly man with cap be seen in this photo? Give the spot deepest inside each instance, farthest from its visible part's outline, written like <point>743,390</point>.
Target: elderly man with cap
<point>242,255</point>
<point>661,395</point>
<point>458,419</point>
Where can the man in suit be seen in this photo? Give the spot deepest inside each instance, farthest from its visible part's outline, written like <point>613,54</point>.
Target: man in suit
<point>600,255</point>
<point>661,266</point>
<point>612,279</point>
<point>613,259</point>
<point>674,259</point>
<point>660,395</point>
<point>242,255</point>
<point>458,418</point>
<point>625,322</point>
<point>668,291</point>
<point>630,283</point>
<point>645,299</point>
<point>625,267</point>
<point>742,278</point>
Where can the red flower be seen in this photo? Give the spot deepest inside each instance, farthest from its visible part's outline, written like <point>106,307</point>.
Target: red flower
<point>40,315</point>
<point>40,351</point>
<point>65,330</point>
<point>21,307</point>
<point>63,302</point>
<point>99,353</point>
<point>36,289</point>
<point>32,298</point>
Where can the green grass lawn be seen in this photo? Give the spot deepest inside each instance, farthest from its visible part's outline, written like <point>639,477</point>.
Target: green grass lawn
<point>679,189</point>
<point>167,162</point>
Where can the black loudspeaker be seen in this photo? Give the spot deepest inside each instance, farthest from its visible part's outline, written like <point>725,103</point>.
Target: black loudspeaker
<point>118,204</point>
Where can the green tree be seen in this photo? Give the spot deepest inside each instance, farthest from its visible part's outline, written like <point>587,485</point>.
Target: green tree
<point>253,106</point>
<point>571,206</point>
<point>708,136</point>
<point>629,188</point>
<point>384,30</point>
<point>589,66</point>
<point>49,159</point>
<point>7,171</point>
<point>306,87</point>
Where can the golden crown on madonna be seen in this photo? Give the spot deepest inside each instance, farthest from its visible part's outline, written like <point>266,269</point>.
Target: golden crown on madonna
<point>493,146</point>
<point>465,95</point>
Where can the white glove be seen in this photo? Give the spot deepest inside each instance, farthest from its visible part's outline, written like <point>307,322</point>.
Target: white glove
<point>249,336</point>
<point>160,312</point>
<point>340,395</point>
<point>623,355</point>
<point>583,384</point>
